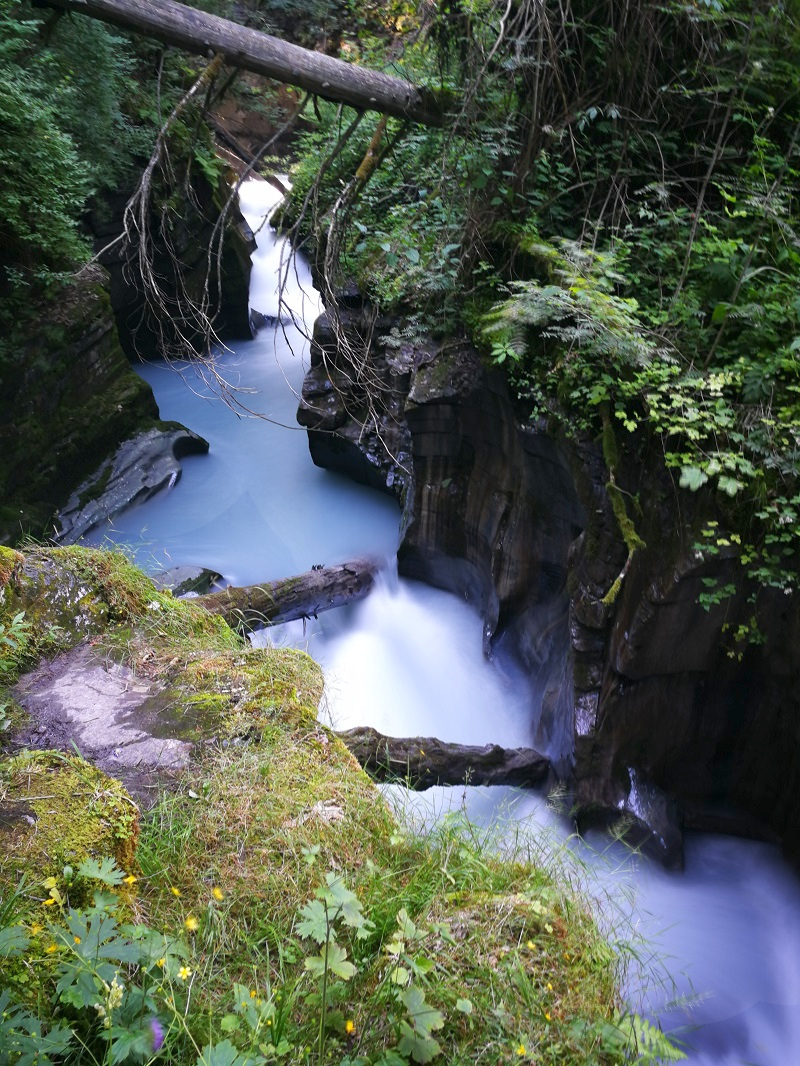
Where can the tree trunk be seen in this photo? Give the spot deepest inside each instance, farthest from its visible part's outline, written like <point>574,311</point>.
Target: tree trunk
<point>255,606</point>
<point>420,762</point>
<point>195,31</point>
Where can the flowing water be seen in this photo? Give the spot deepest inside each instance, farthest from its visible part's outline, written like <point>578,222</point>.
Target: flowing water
<point>408,661</point>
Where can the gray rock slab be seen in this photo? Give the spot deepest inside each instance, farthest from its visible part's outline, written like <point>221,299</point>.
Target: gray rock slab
<point>139,468</point>
<point>118,721</point>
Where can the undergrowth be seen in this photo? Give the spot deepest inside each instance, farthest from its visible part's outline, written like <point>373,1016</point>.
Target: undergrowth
<point>275,909</point>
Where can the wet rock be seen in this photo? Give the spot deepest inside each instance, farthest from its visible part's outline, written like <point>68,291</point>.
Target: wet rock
<point>138,469</point>
<point>68,398</point>
<point>644,698</point>
<point>646,817</point>
<point>121,723</point>
<point>183,580</point>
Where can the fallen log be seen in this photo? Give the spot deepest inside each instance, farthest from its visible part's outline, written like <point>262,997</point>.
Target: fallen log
<point>255,606</point>
<point>248,49</point>
<point>420,762</point>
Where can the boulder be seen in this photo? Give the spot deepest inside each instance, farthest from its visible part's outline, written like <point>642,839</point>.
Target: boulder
<point>136,471</point>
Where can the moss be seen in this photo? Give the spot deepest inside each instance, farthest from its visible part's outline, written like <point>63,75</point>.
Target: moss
<point>77,812</point>
<point>610,447</point>
<point>9,561</point>
<point>69,398</point>
<point>626,527</point>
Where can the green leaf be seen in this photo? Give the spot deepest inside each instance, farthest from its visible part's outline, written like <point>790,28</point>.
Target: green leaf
<point>13,941</point>
<point>106,871</point>
<point>415,1045</point>
<point>315,923</point>
<point>224,1054</point>
<point>229,1024</point>
<point>729,485</point>
<point>692,477</point>
<point>464,1005</point>
<point>391,1058</point>
<point>423,1017</point>
<point>136,1044</point>
<point>345,903</point>
<point>333,957</point>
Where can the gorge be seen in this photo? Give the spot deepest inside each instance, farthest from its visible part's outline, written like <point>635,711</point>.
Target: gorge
<point>410,660</point>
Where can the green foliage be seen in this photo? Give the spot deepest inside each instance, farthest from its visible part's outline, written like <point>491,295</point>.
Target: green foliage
<point>13,641</point>
<point>42,187</point>
<point>634,247</point>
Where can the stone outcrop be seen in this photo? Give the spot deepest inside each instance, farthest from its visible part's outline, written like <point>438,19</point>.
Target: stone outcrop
<point>138,469</point>
<point>67,399</point>
<point>191,236</point>
<point>645,701</point>
<point>489,510</point>
<point>68,396</point>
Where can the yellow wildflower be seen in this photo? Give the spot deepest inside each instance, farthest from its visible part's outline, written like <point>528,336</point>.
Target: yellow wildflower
<point>349,1026</point>
<point>192,924</point>
<point>547,1015</point>
<point>521,1050</point>
<point>184,973</point>
<point>175,891</point>
<point>162,962</point>
<point>253,993</point>
<point>49,902</point>
<point>52,948</point>
<point>35,929</point>
<point>217,893</point>
<point>129,880</point>
<point>77,939</point>
<point>530,946</point>
<point>549,987</point>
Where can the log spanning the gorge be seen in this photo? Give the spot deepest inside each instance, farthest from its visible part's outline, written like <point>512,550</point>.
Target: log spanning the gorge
<point>421,762</point>
<point>196,31</point>
<point>255,606</point>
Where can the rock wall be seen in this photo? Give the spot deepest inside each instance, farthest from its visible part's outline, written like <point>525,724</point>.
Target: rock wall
<point>68,396</point>
<point>644,704</point>
<point>192,225</point>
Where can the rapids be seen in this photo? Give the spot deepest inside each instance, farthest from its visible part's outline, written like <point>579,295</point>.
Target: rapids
<point>408,661</point>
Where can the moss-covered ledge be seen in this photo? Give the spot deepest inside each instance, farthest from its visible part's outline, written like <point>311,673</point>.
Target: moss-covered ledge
<point>270,812</point>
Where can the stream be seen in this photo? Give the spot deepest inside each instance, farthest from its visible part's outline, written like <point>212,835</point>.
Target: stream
<point>408,661</point>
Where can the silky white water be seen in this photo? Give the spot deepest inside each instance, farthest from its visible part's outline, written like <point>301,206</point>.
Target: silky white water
<point>408,661</point>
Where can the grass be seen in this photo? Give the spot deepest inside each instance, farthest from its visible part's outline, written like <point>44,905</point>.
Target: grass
<point>509,962</point>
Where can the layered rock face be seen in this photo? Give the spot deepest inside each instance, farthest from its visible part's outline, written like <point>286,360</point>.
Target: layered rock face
<point>644,704</point>
<point>184,270</point>
<point>670,707</point>
<point>67,400</point>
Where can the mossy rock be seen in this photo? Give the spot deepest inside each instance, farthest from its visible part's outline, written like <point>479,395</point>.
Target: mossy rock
<point>10,560</point>
<point>57,810</point>
<point>71,594</point>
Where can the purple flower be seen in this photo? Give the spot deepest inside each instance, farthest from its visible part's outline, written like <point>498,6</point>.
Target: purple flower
<point>157,1032</point>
